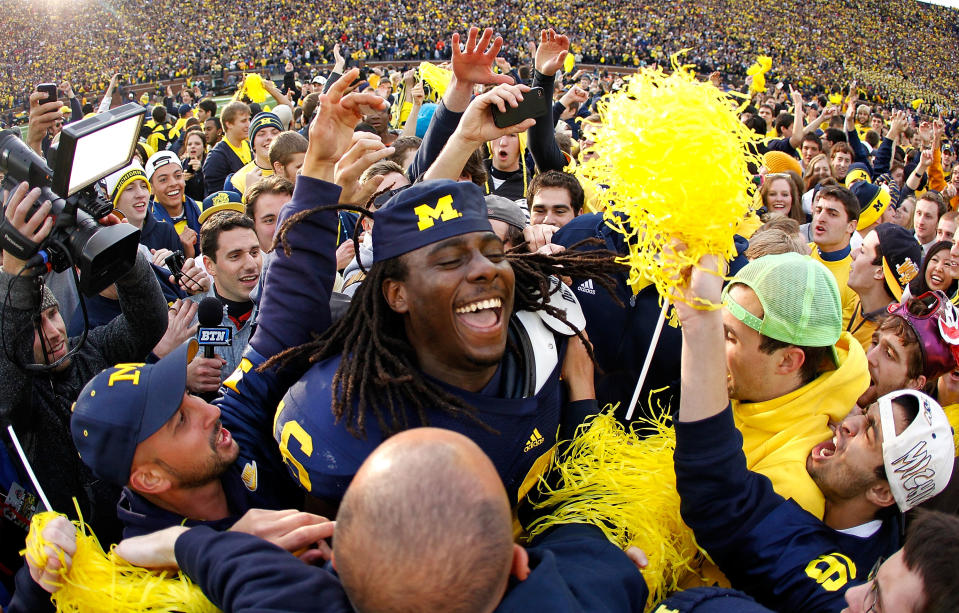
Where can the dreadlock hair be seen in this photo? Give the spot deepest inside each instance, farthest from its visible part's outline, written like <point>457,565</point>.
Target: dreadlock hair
<point>378,372</point>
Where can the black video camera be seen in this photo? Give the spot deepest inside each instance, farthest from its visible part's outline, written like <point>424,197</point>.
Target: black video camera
<point>89,150</point>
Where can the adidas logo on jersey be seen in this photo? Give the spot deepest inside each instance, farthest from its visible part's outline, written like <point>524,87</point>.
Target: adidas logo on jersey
<point>535,440</point>
<point>587,287</point>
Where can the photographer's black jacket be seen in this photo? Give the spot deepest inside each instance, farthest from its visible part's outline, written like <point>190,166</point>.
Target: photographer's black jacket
<point>38,405</point>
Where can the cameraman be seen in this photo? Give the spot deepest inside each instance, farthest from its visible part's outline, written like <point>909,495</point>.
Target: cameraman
<point>38,405</point>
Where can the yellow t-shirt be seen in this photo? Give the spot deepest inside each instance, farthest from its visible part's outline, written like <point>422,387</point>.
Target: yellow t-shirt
<point>239,179</point>
<point>840,271</point>
<point>952,414</point>
<point>862,326</point>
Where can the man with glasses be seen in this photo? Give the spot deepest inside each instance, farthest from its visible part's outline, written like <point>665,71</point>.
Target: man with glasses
<point>899,451</point>
<point>919,577</point>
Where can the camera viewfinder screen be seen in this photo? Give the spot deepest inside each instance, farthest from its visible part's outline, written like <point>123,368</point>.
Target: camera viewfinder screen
<point>102,152</point>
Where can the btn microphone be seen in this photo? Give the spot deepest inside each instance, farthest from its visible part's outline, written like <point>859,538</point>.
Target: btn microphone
<point>210,333</point>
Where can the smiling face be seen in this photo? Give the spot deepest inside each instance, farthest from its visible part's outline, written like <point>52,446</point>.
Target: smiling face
<point>779,198</point>
<point>191,450</point>
<point>456,300</point>
<point>133,202</point>
<point>822,169</point>
<point>840,164</point>
<point>831,227</point>
<point>236,267</point>
<point>168,185</point>
<point>54,339</point>
<point>940,269</point>
<point>261,144</point>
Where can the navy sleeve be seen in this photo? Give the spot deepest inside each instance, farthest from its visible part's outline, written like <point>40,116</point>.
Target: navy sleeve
<point>76,111</point>
<point>28,596</point>
<point>215,170</point>
<point>782,144</point>
<point>577,569</point>
<point>542,136</point>
<point>442,125</point>
<point>862,154</point>
<point>721,500</point>
<point>242,573</point>
<point>247,403</point>
<point>297,288</point>
<point>882,158</point>
<point>333,78</point>
<point>558,109</point>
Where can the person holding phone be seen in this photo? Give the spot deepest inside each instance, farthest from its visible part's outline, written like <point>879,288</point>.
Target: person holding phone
<point>192,156</point>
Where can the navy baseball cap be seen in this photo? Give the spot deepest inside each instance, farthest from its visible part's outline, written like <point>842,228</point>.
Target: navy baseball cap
<point>427,213</point>
<point>224,200</point>
<point>122,406</point>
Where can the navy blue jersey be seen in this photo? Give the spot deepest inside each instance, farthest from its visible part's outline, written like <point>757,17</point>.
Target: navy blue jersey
<point>324,456</point>
<point>768,546</point>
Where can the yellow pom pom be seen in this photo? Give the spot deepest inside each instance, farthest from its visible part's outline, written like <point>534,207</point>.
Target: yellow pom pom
<point>98,581</point>
<point>253,86</point>
<point>436,77</point>
<point>917,103</point>
<point>626,486</point>
<point>758,72</point>
<point>673,157</point>
<point>569,63</point>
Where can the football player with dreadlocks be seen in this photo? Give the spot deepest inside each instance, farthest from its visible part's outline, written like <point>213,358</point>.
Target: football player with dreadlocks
<point>448,329</point>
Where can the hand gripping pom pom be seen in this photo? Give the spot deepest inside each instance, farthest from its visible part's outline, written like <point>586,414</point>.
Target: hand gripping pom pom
<point>673,157</point>
<point>99,581</point>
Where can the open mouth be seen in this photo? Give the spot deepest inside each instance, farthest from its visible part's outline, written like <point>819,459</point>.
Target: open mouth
<point>824,450</point>
<point>173,194</point>
<point>223,438</point>
<point>819,229</point>
<point>249,279</point>
<point>481,315</point>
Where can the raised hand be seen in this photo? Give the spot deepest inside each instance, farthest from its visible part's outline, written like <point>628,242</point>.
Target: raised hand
<point>551,52</point>
<point>331,131</point>
<point>472,63</point>
<point>365,150</point>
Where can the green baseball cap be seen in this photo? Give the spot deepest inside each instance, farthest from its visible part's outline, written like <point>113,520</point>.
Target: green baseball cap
<point>800,300</point>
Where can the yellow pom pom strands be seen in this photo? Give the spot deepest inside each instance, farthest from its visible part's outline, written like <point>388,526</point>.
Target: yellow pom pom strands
<point>673,157</point>
<point>99,581</point>
<point>626,486</point>
<point>758,72</point>
<point>253,88</point>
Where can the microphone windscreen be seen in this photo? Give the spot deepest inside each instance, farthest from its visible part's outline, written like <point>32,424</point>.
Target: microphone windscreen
<point>210,312</point>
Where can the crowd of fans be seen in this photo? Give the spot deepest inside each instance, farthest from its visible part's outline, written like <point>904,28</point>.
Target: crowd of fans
<point>908,50</point>
<point>359,262</point>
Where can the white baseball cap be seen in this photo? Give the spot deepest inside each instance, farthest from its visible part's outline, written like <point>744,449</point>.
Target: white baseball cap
<point>918,461</point>
<point>159,160</point>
